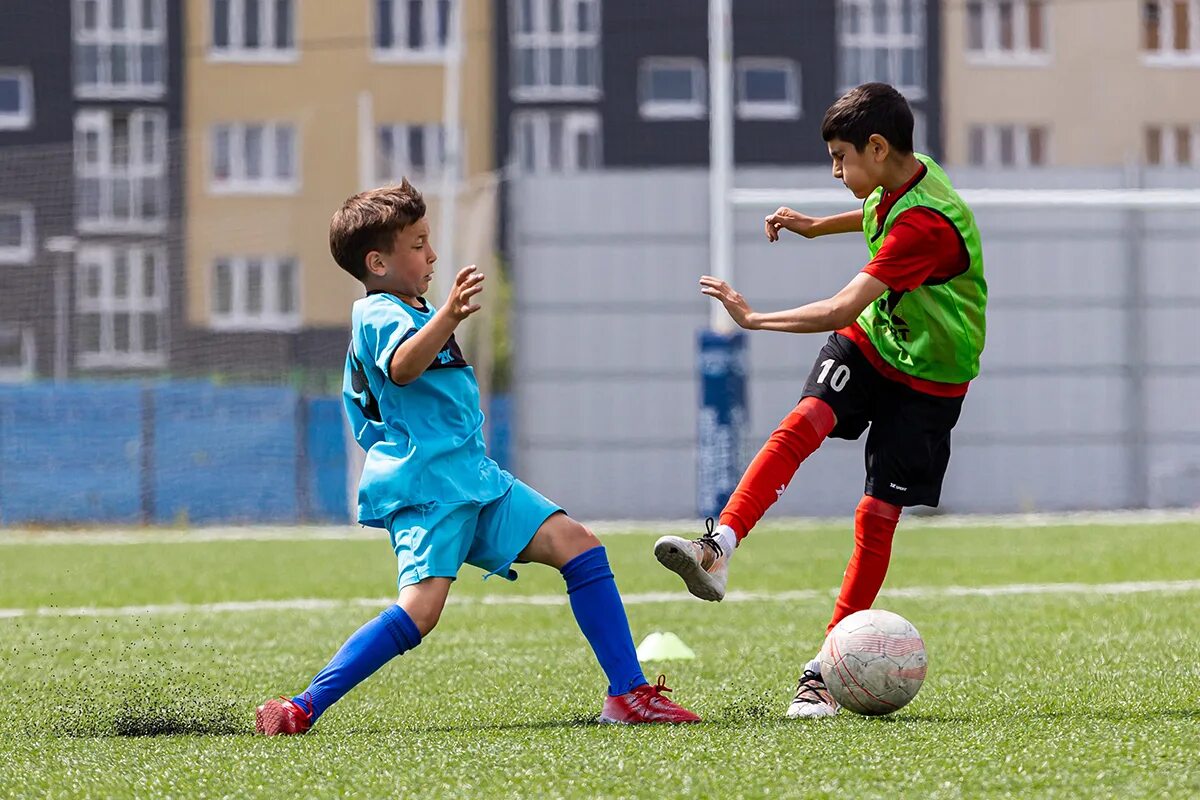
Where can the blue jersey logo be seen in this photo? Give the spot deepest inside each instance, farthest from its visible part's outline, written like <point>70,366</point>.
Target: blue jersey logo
<point>450,357</point>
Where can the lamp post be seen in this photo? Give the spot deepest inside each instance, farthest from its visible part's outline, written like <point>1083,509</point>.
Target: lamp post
<point>722,347</point>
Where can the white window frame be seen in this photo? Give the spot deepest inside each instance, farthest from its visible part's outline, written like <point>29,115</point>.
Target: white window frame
<point>237,51</point>
<point>893,40</point>
<point>789,108</point>
<point>400,165</point>
<point>28,366</point>
<point>238,183</point>
<point>653,109</point>
<point>133,38</point>
<point>1021,146</point>
<point>541,40</point>
<point>1022,54</point>
<point>22,119</point>
<point>1168,144</point>
<point>270,318</point>
<point>134,303</point>
<point>24,252</point>
<point>135,172</point>
<point>398,52</point>
<point>1166,55</point>
<point>573,123</point>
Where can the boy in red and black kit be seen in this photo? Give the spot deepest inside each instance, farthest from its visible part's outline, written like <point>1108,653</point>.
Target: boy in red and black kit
<point>908,332</point>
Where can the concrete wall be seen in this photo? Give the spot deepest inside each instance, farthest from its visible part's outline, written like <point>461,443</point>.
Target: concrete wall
<point>1089,377</point>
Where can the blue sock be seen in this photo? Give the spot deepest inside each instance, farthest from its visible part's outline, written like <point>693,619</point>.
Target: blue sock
<point>373,645</point>
<point>601,617</point>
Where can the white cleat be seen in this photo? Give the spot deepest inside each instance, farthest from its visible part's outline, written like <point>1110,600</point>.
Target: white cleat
<point>701,563</point>
<point>812,700</point>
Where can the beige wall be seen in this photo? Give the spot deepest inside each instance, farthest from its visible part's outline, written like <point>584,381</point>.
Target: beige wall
<point>1096,94</point>
<point>319,94</point>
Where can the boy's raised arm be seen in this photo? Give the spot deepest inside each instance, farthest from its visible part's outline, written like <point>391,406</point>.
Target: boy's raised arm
<point>823,315</point>
<point>811,227</point>
<point>415,355</point>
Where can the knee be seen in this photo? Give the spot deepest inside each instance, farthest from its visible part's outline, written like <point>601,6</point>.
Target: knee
<point>424,612</point>
<point>579,539</point>
<point>879,508</point>
<point>787,440</point>
<point>425,618</point>
<point>575,540</point>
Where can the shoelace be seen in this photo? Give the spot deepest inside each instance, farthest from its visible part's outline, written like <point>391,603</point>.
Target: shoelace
<point>809,689</point>
<point>307,700</point>
<point>709,539</point>
<point>655,692</point>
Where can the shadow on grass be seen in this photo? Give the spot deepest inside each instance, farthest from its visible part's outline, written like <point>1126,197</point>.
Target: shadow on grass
<point>533,725</point>
<point>179,718</point>
<point>229,718</point>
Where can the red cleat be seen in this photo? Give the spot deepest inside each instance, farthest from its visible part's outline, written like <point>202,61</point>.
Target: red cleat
<point>283,717</point>
<point>645,704</point>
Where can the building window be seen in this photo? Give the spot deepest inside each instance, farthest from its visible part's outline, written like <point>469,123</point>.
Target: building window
<point>883,40</point>
<point>254,158</point>
<point>1007,30</point>
<point>255,293</point>
<point>1008,146</point>
<point>672,88</point>
<point>253,30</point>
<point>768,88</point>
<point>120,48</point>
<point>16,99</point>
<point>555,49</point>
<point>1171,30</point>
<point>17,357</point>
<point>557,141</point>
<point>409,30</point>
<point>121,170</point>
<point>417,152</point>
<point>16,233</point>
<point>1173,145</point>
<point>121,300</point>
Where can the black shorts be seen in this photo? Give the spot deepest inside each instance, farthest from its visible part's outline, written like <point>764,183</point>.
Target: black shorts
<point>908,447</point>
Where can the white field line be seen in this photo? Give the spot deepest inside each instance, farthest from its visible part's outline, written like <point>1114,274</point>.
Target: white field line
<point>315,604</point>
<point>267,533</point>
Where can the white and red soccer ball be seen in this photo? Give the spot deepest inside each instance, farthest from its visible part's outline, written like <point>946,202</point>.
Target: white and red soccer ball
<point>873,662</point>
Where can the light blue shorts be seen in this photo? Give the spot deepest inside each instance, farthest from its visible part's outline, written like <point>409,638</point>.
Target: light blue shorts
<point>434,540</point>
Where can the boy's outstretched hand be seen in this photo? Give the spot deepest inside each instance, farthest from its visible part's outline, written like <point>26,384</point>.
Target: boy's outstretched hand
<point>467,284</point>
<point>733,301</point>
<point>794,221</point>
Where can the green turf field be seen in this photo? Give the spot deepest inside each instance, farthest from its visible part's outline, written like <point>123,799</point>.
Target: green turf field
<point>1033,691</point>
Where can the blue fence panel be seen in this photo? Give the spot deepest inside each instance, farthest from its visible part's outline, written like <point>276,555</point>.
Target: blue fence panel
<point>499,429</point>
<point>722,420</point>
<point>225,454</point>
<point>327,464</point>
<point>70,453</point>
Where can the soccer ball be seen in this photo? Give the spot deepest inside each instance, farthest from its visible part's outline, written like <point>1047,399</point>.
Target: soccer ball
<point>873,662</point>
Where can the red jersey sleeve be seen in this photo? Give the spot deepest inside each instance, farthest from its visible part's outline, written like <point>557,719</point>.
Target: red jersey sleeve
<point>921,247</point>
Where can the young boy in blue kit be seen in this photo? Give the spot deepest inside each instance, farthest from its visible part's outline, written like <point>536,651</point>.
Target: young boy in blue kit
<point>413,405</point>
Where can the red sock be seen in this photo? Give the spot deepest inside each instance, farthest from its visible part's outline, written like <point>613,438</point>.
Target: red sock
<point>796,438</point>
<point>874,524</point>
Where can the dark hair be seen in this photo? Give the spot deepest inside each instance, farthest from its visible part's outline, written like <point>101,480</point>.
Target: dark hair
<point>869,109</point>
<point>369,221</point>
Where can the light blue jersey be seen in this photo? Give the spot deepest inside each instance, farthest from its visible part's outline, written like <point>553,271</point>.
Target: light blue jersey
<point>424,440</point>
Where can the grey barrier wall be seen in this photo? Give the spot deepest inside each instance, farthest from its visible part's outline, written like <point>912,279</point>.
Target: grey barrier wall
<point>1087,398</point>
